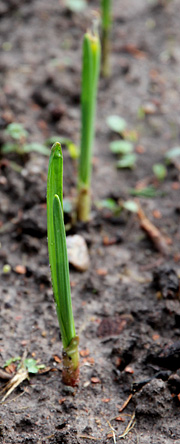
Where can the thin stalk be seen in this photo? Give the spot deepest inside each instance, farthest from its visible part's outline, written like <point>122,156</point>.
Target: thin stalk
<point>59,266</point>
<point>90,75</point>
<point>106,27</point>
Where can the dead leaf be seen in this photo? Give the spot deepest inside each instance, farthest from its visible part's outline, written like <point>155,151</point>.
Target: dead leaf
<point>5,375</point>
<point>155,337</point>
<point>57,359</point>
<point>90,360</point>
<point>84,352</point>
<point>20,269</point>
<point>129,369</point>
<point>95,380</point>
<point>102,271</point>
<point>140,149</point>
<point>157,214</point>
<point>11,368</point>
<point>175,185</point>
<point>109,435</point>
<point>109,241</point>
<point>134,51</point>
<point>62,400</point>
<point>159,241</point>
<point>119,418</point>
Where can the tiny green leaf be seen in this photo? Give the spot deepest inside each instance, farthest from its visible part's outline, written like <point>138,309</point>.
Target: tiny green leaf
<point>116,123</point>
<point>37,147</point>
<point>9,361</point>
<point>173,152</point>
<point>9,147</point>
<point>160,171</point>
<point>6,269</point>
<point>130,205</point>
<point>145,192</point>
<point>121,147</point>
<point>32,366</point>
<point>127,161</point>
<point>62,275</point>
<point>109,204</point>
<point>76,5</point>
<point>16,131</point>
<point>67,206</point>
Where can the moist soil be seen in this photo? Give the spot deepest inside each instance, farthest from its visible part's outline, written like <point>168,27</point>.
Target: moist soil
<point>126,305</point>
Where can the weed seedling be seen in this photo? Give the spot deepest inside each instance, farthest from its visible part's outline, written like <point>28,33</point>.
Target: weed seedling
<point>121,146</point>
<point>60,267</point>
<point>90,75</point>
<point>106,27</point>
<point>18,142</point>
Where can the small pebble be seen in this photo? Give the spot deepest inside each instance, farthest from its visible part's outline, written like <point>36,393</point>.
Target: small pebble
<point>78,255</point>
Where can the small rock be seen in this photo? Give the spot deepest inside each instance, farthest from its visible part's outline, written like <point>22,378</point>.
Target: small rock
<point>77,252</point>
<point>149,108</point>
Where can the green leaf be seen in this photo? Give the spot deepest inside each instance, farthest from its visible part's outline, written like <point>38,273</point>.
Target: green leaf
<point>130,205</point>
<point>57,245</point>
<point>9,361</point>
<point>32,366</point>
<point>159,171</point>
<point>127,161</point>
<point>54,186</point>
<point>76,5</point>
<point>16,131</point>
<point>37,147</point>
<point>109,204</point>
<point>73,150</point>
<point>173,152</point>
<point>116,123</point>
<point>145,192</point>
<point>67,206</point>
<point>9,148</point>
<point>62,275</point>
<point>121,147</point>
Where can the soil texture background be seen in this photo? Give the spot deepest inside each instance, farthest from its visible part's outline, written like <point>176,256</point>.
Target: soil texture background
<point>126,305</point>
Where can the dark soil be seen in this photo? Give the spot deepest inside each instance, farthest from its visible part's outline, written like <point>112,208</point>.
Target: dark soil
<point>126,305</point>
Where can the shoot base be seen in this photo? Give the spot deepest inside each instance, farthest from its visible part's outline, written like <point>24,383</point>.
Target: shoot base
<point>83,205</point>
<point>70,372</point>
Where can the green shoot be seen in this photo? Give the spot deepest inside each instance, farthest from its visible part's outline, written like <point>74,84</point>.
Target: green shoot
<point>59,266</point>
<point>72,148</point>
<point>90,75</point>
<point>106,27</point>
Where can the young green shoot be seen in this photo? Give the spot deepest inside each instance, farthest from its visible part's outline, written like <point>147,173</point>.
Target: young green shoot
<point>59,266</point>
<point>90,75</point>
<point>106,27</point>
